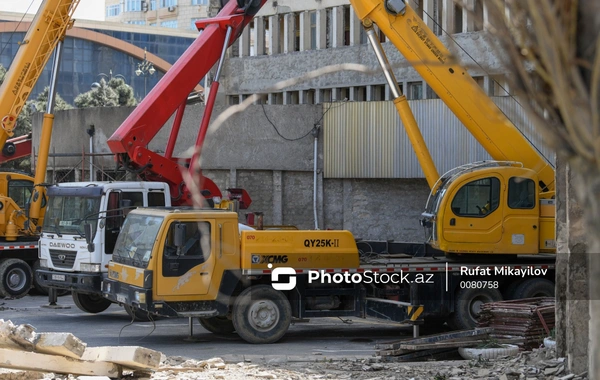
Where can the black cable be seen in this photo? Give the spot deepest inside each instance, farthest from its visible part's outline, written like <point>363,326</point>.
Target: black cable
<point>14,31</point>
<point>307,133</point>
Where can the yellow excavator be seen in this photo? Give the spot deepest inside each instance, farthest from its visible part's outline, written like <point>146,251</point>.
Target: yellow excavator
<point>22,197</point>
<point>504,206</point>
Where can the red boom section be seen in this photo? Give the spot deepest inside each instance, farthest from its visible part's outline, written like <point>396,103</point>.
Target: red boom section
<point>18,147</point>
<point>130,140</point>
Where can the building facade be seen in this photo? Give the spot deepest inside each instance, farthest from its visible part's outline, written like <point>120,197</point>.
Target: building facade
<point>176,14</point>
<point>94,50</point>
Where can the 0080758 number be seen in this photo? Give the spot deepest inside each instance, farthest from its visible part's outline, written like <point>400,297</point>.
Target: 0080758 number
<point>475,284</point>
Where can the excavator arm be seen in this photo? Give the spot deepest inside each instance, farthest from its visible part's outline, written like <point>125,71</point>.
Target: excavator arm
<point>170,94</point>
<point>453,84</point>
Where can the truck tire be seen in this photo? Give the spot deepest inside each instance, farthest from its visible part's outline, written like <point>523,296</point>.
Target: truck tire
<point>535,287</point>
<point>90,303</point>
<point>261,314</point>
<point>467,305</point>
<point>217,325</point>
<point>16,278</point>
<point>138,315</point>
<point>510,290</point>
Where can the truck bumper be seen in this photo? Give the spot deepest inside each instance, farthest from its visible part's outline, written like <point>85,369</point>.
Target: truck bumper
<point>89,283</point>
<point>130,295</point>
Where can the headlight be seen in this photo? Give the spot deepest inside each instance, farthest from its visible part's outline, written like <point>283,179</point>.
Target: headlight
<point>43,263</point>
<point>107,287</point>
<point>90,267</point>
<point>140,297</point>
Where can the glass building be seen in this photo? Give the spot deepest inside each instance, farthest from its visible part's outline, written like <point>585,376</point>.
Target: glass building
<point>88,60</point>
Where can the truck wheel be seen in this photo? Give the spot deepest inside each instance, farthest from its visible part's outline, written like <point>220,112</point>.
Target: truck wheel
<point>467,306</point>
<point>535,287</point>
<point>138,314</point>
<point>261,314</point>
<point>90,303</point>
<point>217,325</point>
<point>510,290</point>
<point>16,278</point>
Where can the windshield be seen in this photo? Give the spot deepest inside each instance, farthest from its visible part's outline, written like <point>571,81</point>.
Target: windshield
<point>136,239</point>
<point>68,214</point>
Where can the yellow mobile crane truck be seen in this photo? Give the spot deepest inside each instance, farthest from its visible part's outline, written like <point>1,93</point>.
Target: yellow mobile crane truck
<point>23,198</point>
<point>234,281</point>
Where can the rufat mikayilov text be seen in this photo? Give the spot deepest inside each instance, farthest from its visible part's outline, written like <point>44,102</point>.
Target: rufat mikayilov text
<point>502,271</point>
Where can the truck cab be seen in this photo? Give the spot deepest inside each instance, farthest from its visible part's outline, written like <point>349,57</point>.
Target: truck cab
<point>67,261</point>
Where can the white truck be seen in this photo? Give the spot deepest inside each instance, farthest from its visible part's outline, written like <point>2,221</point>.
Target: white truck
<point>67,262</point>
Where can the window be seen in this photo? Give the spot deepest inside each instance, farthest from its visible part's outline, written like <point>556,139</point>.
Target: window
<point>521,193</point>
<point>194,250</point>
<point>20,192</point>
<point>167,3</point>
<point>152,5</point>
<point>156,199</point>
<point>193,23</point>
<point>133,5</point>
<point>113,10</point>
<point>415,90</point>
<point>169,24</point>
<point>136,22</point>
<point>477,198</point>
<point>199,2</point>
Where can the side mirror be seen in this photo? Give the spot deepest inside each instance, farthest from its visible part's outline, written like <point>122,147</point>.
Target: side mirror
<point>87,228</point>
<point>180,234</point>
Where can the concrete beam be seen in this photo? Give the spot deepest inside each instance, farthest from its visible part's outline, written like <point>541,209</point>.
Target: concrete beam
<point>244,42</point>
<point>131,357</point>
<point>321,29</point>
<point>289,32</point>
<point>305,43</point>
<point>274,40</point>
<point>355,27</point>
<point>448,16</point>
<point>64,344</point>
<point>32,361</point>
<point>259,35</point>
<point>337,27</point>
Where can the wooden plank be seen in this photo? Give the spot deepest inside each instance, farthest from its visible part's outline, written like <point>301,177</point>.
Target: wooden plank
<point>65,344</point>
<point>133,357</point>
<point>33,361</point>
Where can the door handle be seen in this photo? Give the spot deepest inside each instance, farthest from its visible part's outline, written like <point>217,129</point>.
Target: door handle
<point>203,273</point>
<point>453,222</point>
<point>174,266</point>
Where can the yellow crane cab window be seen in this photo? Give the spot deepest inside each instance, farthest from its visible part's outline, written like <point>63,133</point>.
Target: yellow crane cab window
<point>477,198</point>
<point>521,193</point>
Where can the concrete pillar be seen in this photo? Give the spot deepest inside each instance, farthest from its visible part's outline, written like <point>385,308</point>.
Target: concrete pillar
<point>352,93</point>
<point>289,32</point>
<point>302,97</point>
<point>486,15</point>
<point>369,93</point>
<point>355,27</point>
<point>468,16</point>
<point>270,98</point>
<point>487,83</point>
<point>274,42</point>
<point>244,42</point>
<point>259,35</point>
<point>388,92</point>
<point>448,16</point>
<point>287,97</point>
<point>335,94</point>
<point>318,96</point>
<point>277,197</point>
<point>428,10</point>
<point>305,31</point>
<point>321,29</point>
<point>337,27</point>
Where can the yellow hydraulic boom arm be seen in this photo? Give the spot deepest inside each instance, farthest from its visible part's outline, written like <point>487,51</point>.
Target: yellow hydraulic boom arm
<point>452,83</point>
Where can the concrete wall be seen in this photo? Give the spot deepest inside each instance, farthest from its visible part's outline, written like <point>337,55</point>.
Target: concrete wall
<point>278,174</point>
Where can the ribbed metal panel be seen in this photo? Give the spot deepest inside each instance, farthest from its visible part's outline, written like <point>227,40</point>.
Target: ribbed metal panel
<point>367,140</point>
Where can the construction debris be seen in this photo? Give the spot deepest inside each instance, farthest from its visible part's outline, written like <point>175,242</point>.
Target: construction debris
<point>22,348</point>
<point>526,321</point>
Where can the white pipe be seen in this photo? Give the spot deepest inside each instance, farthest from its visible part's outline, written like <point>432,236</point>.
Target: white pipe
<point>315,181</point>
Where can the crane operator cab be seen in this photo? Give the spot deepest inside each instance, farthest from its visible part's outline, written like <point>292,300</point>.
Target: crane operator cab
<point>489,207</point>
